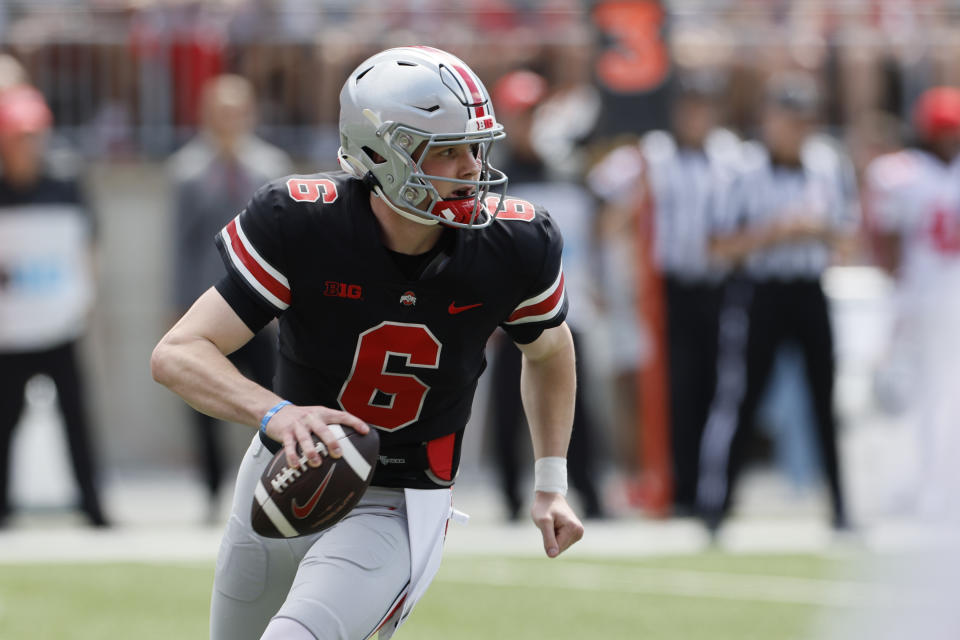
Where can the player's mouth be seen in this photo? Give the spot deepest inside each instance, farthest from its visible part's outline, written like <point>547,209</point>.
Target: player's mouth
<point>466,192</point>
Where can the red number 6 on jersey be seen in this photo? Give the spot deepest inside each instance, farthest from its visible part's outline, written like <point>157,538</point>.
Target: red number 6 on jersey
<point>389,400</point>
<point>312,189</point>
<point>513,208</point>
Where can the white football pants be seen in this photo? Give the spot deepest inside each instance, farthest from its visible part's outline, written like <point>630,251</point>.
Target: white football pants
<point>342,583</point>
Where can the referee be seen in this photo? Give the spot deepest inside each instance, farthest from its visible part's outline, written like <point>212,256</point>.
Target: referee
<point>788,208</point>
<point>690,172</point>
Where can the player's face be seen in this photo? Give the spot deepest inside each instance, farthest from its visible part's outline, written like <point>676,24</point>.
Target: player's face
<point>947,145</point>
<point>784,131</point>
<point>21,153</point>
<point>694,119</point>
<point>461,161</point>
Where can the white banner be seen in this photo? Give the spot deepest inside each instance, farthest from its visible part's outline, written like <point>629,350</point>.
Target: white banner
<point>46,287</point>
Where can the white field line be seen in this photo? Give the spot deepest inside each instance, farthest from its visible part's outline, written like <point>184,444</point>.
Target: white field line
<point>86,546</point>
<point>684,583</point>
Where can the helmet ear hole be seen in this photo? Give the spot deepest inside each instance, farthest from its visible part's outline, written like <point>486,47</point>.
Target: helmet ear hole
<point>373,156</point>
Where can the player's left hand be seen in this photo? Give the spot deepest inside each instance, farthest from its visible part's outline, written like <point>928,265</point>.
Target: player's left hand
<point>557,522</point>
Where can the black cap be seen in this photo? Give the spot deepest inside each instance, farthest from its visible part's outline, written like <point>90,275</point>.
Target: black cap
<point>794,91</point>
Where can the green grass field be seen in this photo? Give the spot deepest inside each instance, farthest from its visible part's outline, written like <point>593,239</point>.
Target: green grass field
<point>712,596</point>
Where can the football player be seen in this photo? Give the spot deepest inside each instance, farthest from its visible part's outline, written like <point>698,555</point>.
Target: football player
<point>387,278</point>
<point>914,197</point>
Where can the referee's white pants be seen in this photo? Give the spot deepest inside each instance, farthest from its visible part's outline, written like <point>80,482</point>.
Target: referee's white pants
<point>341,584</point>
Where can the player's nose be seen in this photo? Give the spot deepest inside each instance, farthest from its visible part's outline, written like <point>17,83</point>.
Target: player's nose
<point>469,165</point>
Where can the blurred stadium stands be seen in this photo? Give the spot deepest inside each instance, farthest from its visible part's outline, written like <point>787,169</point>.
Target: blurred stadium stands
<point>123,78</point>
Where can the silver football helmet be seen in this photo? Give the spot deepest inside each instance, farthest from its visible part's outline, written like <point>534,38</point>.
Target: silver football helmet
<point>395,107</point>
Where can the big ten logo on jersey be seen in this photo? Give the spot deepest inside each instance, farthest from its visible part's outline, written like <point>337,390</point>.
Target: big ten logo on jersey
<point>342,290</point>
<point>312,189</point>
<point>511,208</point>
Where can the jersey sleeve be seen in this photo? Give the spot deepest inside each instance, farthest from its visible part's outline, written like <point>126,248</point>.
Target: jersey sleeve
<point>251,246</point>
<point>833,172</point>
<point>81,195</point>
<point>887,192</point>
<point>850,211</point>
<point>614,179</point>
<point>545,302</point>
<point>728,207</point>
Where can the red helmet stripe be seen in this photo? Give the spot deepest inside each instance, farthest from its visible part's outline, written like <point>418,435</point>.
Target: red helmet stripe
<point>472,83</point>
<point>433,50</point>
<point>475,94</point>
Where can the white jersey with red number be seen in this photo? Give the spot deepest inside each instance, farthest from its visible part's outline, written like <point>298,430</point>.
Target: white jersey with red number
<point>916,195</point>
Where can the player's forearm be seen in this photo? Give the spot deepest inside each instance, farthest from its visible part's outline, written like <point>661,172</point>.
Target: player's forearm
<point>735,247</point>
<point>548,385</point>
<point>196,370</point>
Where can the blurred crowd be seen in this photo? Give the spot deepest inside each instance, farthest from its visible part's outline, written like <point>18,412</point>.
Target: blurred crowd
<point>123,77</point>
<point>707,163</point>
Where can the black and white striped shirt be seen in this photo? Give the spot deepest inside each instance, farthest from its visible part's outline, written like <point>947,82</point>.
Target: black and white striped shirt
<point>820,187</point>
<point>690,187</point>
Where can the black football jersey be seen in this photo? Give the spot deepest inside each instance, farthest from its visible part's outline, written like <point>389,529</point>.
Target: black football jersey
<point>402,354</point>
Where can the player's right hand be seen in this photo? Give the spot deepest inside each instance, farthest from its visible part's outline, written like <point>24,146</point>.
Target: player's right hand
<point>294,425</point>
<point>800,228</point>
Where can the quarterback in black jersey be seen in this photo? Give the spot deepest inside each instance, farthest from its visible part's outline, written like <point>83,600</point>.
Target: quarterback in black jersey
<point>387,278</point>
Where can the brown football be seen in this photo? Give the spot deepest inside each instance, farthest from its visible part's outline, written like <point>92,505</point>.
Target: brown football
<point>297,501</point>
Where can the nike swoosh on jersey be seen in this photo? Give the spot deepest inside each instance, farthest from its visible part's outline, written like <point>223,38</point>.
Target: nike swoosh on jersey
<point>454,309</point>
<point>301,512</point>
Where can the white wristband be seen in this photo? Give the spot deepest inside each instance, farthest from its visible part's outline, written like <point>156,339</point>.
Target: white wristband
<point>550,475</point>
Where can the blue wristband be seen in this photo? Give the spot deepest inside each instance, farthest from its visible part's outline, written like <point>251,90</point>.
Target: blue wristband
<point>269,414</point>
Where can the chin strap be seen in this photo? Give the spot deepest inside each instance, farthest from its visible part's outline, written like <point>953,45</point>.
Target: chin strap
<point>429,222</point>
<point>356,169</point>
<point>453,210</point>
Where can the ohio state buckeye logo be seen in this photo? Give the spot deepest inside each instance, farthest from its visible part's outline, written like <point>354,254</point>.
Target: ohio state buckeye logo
<point>408,299</point>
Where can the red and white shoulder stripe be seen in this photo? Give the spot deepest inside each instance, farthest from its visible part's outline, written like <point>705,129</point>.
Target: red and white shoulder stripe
<point>543,306</point>
<point>894,169</point>
<point>265,279</point>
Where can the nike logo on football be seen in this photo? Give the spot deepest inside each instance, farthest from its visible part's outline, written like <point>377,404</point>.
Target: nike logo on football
<point>301,512</point>
<point>454,309</point>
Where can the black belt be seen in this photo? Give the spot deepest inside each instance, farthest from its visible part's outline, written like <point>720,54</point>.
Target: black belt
<point>406,466</point>
<point>404,457</point>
